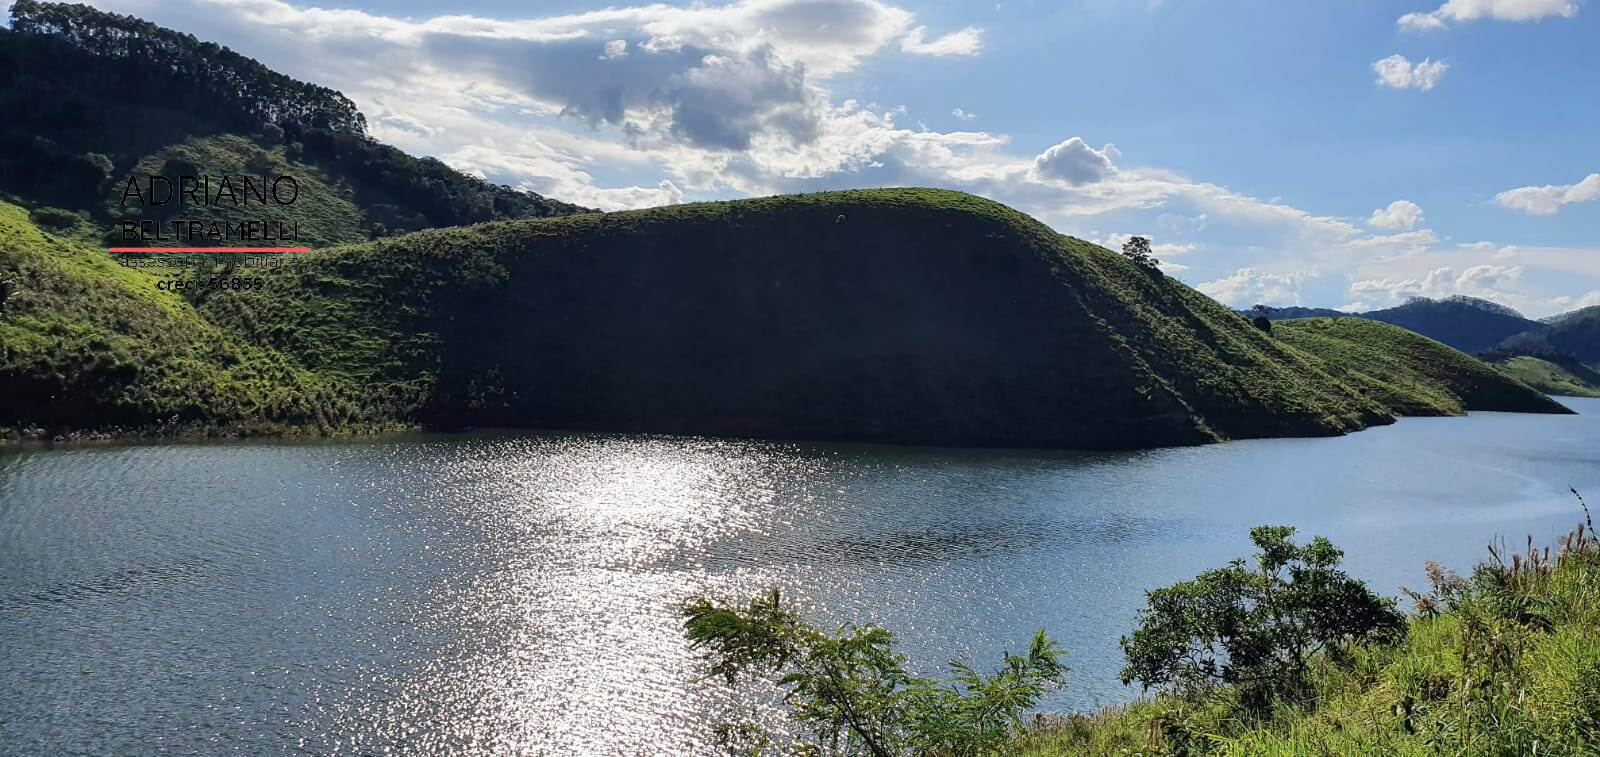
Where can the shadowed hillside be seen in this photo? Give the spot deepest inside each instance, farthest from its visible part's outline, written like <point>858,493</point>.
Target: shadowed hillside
<point>1465,323</point>
<point>93,98</point>
<point>889,315</point>
<point>917,316</point>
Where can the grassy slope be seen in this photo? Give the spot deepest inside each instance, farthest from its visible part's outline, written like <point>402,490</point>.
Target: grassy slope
<point>890,315</point>
<point>326,210</point>
<point>86,344</point>
<point>1408,372</point>
<point>1576,380</point>
<point>1513,668</point>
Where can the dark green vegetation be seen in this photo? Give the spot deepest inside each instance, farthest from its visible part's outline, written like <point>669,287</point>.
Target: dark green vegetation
<point>1468,324</point>
<point>92,98</point>
<point>1255,628</point>
<point>852,692</point>
<point>889,315</point>
<point>916,316</point>
<point>1504,661</point>
<point>1412,374</point>
<point>1287,313</point>
<point>912,316</point>
<point>1576,334</point>
<point>88,345</point>
<point>1288,656</point>
<point>1559,357</point>
<point>1564,349</point>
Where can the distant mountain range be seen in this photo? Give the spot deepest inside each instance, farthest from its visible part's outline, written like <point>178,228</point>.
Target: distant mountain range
<point>1557,354</point>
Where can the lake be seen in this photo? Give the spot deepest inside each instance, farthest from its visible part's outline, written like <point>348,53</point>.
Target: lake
<point>516,592</point>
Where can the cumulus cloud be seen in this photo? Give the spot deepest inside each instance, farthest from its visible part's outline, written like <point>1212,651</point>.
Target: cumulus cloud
<point>962,115</point>
<point>718,100</point>
<point>1401,215</point>
<point>688,84</point>
<point>1396,72</point>
<point>1250,286</point>
<point>1075,163</point>
<point>1548,200</point>
<point>1461,11</point>
<point>1485,281</point>
<point>968,41</point>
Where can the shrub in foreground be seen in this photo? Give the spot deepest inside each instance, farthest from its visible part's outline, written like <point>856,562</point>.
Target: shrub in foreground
<point>1502,661</point>
<point>851,691</point>
<point>1256,627</point>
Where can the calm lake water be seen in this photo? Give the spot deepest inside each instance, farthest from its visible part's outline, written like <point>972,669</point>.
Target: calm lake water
<point>504,593</point>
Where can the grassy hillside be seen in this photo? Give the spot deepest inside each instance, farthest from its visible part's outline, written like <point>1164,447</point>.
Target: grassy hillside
<point>73,79</point>
<point>889,315</point>
<point>1502,662</point>
<point>86,345</point>
<point>326,213</point>
<point>1553,376</point>
<point>1413,374</point>
<point>886,315</point>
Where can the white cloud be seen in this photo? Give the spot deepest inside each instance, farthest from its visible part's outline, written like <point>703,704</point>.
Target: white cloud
<point>1490,282</point>
<point>1250,286</point>
<point>1400,215</point>
<point>1548,200</point>
<point>1177,222</point>
<point>1396,72</point>
<point>1461,11</point>
<point>1075,163</point>
<point>617,48</point>
<point>1405,242</point>
<point>962,115</point>
<point>968,41</point>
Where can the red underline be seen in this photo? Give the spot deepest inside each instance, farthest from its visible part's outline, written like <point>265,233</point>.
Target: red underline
<point>209,250</point>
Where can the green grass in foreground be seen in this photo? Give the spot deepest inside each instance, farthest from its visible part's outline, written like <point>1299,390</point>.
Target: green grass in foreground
<point>1503,662</point>
<point>1573,381</point>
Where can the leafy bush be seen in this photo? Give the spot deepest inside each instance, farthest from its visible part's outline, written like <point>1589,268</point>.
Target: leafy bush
<point>53,218</point>
<point>1255,628</point>
<point>1502,661</point>
<point>852,690</point>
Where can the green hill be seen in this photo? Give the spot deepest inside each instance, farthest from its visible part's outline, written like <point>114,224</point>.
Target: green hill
<point>916,316</point>
<point>86,344</point>
<point>1468,324</point>
<point>1292,312</point>
<point>893,315</point>
<point>1409,372</point>
<point>94,98</point>
<point>890,315</point>
<point>1576,333</point>
<point>1553,375</point>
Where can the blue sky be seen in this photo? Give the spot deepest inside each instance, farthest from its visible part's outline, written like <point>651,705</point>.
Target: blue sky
<point>1275,151</point>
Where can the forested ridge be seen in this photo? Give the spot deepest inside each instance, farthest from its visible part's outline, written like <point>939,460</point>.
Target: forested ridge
<point>91,95</point>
